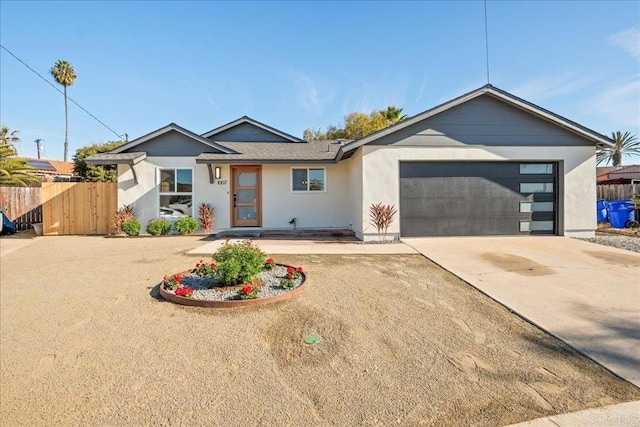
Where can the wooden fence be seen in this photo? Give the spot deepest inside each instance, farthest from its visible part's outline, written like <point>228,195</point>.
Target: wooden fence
<point>78,207</point>
<point>618,191</point>
<point>23,205</point>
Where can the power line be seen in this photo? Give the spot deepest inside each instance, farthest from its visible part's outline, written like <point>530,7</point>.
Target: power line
<point>486,38</point>
<point>53,86</point>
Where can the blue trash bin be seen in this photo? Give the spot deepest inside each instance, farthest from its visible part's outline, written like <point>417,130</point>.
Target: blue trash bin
<point>621,212</point>
<point>601,211</point>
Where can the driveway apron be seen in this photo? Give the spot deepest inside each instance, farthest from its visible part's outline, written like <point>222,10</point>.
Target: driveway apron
<point>585,294</point>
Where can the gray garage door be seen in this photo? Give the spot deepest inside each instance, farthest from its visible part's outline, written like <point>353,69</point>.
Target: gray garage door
<point>477,198</point>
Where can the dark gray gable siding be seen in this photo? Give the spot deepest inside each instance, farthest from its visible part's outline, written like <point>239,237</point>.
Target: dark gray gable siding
<point>484,120</point>
<point>172,144</point>
<point>246,132</point>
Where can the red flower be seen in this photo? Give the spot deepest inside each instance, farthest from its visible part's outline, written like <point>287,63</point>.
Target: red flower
<point>270,261</point>
<point>290,276</point>
<point>177,278</point>
<point>299,269</point>
<point>246,289</point>
<point>184,292</point>
<point>290,269</point>
<point>213,265</point>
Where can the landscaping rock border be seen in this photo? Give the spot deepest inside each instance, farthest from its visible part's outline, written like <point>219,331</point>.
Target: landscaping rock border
<point>194,302</point>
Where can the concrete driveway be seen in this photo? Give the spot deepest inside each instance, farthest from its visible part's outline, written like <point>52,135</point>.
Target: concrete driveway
<point>586,294</point>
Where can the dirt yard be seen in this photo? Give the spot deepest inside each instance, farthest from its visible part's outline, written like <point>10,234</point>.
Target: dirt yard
<point>85,340</point>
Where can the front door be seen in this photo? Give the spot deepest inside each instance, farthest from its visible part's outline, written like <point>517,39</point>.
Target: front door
<point>245,196</point>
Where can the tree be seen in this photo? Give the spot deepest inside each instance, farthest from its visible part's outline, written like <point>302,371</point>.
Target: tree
<point>625,145</point>
<point>64,74</point>
<point>358,125</point>
<point>13,170</point>
<point>95,173</point>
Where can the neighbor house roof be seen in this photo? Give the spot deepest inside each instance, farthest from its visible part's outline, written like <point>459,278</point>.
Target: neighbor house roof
<point>245,119</point>
<point>170,127</point>
<point>611,174</point>
<point>274,152</point>
<point>488,89</point>
<point>54,167</point>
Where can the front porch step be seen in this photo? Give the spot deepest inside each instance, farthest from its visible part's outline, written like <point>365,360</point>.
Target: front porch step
<point>290,234</point>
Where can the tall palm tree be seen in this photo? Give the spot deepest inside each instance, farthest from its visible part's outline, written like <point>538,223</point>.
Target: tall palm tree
<point>64,74</point>
<point>13,170</point>
<point>625,145</point>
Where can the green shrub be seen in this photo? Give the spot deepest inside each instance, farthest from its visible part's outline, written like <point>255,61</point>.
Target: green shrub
<point>158,227</point>
<point>131,228</point>
<point>238,262</point>
<point>186,225</point>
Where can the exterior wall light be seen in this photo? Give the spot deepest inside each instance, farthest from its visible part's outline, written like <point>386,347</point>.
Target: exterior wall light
<point>218,172</point>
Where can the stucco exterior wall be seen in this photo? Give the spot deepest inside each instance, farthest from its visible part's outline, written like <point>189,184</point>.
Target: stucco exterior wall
<point>331,209</point>
<point>328,209</point>
<point>144,195</point>
<point>576,176</point>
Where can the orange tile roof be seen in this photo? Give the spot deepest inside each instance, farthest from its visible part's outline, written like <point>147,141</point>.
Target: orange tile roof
<point>65,168</point>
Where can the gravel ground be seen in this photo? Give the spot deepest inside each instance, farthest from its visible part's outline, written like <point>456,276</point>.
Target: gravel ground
<point>87,341</point>
<point>620,241</point>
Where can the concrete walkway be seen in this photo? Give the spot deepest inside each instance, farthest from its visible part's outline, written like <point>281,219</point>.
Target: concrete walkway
<point>12,243</point>
<point>314,247</point>
<point>587,295</point>
<point>623,415</point>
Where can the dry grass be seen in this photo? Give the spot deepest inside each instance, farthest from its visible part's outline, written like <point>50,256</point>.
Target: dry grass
<point>85,341</point>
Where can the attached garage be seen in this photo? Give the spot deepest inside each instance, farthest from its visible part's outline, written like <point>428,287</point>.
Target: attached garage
<point>477,198</point>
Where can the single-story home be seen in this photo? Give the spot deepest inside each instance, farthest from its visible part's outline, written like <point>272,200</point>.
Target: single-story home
<point>485,163</point>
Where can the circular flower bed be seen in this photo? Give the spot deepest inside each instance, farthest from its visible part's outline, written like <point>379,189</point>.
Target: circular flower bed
<point>220,284</point>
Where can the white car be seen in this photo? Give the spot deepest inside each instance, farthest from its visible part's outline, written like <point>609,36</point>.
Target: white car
<point>171,214</point>
<point>183,206</point>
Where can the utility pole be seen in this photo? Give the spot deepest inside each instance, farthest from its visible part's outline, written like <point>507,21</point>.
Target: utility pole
<point>38,141</point>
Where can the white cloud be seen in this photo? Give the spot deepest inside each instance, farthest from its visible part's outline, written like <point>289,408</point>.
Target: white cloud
<point>552,86</point>
<point>628,40</point>
<point>311,94</point>
<point>619,104</point>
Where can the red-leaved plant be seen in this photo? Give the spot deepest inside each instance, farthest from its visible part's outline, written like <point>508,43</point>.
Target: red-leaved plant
<point>184,291</point>
<point>381,217</point>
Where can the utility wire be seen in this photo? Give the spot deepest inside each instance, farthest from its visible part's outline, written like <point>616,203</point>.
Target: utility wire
<point>486,39</point>
<point>53,86</point>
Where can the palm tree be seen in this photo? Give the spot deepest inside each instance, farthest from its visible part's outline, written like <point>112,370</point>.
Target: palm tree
<point>64,74</point>
<point>394,114</point>
<point>624,145</point>
<point>13,170</point>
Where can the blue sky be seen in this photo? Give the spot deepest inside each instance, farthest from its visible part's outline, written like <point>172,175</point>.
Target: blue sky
<point>295,65</point>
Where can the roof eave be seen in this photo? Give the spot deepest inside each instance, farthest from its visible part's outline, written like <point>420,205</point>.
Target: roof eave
<point>168,128</point>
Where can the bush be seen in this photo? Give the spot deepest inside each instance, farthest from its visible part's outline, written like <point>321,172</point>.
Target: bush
<point>158,227</point>
<point>132,227</point>
<point>186,225</point>
<point>238,263</point>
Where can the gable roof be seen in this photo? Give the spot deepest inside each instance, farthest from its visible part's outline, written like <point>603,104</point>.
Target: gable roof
<point>493,91</point>
<point>247,119</point>
<point>170,127</point>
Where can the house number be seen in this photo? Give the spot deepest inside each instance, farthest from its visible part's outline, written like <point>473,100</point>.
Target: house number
<point>222,182</point>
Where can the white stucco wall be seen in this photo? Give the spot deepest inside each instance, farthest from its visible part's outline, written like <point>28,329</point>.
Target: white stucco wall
<point>328,209</point>
<point>577,187</point>
<point>144,195</point>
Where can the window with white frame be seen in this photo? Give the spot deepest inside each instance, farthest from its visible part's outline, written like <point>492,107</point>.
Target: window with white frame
<point>308,179</point>
<point>175,192</point>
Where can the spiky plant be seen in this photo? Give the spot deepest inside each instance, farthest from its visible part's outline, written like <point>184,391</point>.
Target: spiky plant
<point>122,215</point>
<point>381,217</point>
<point>205,215</point>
